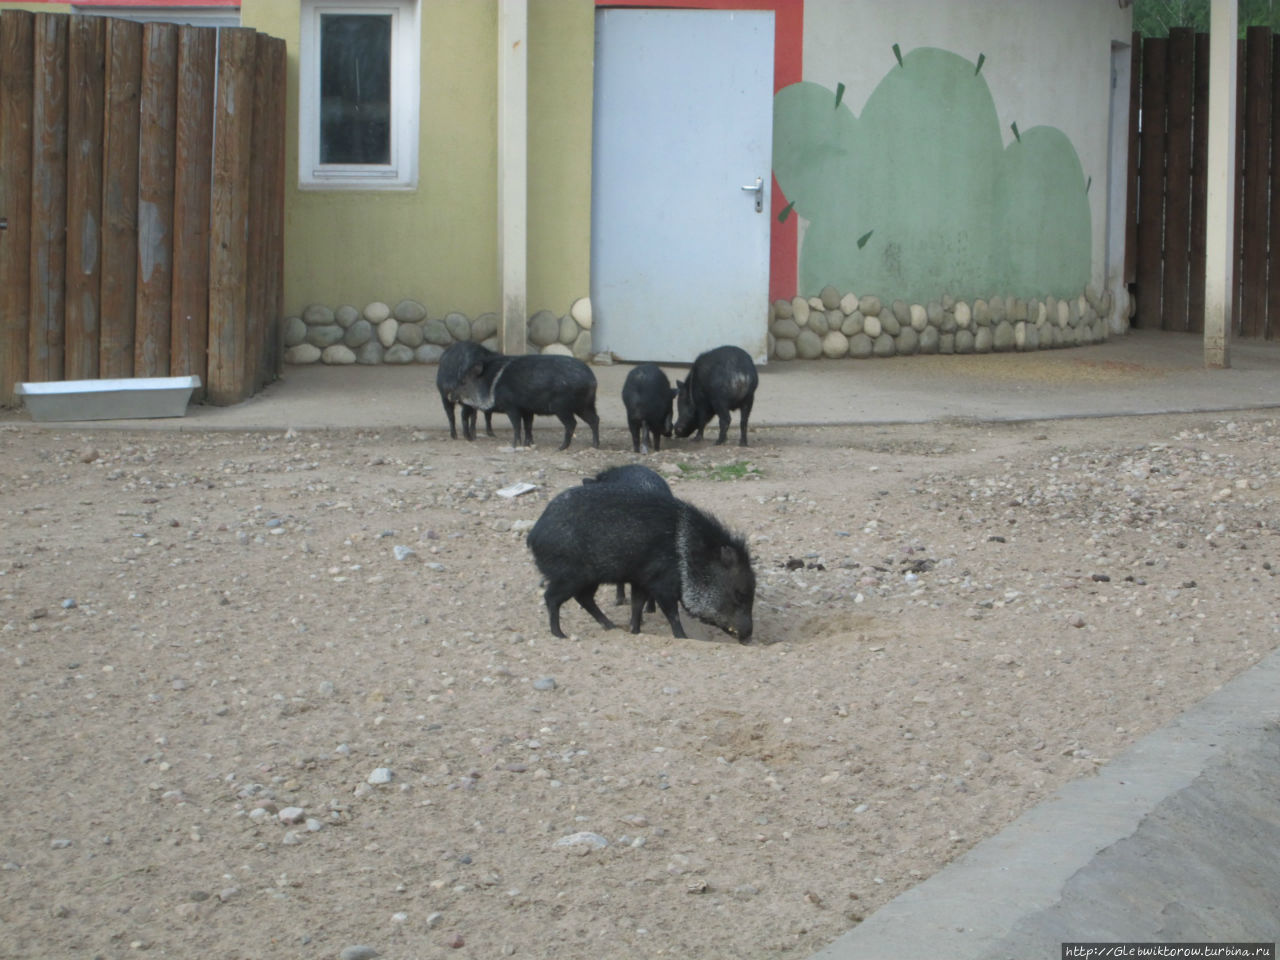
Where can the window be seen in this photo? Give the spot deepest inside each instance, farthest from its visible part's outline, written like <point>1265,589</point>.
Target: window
<point>358,95</point>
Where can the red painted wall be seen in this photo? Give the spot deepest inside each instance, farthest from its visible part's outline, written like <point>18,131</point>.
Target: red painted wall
<point>788,63</point>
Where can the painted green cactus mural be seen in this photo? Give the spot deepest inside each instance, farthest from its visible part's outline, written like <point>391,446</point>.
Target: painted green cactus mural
<point>920,196</point>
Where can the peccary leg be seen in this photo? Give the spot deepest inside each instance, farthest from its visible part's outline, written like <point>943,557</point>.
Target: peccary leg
<point>638,596</point>
<point>592,419</point>
<point>621,597</point>
<point>527,419</point>
<point>671,610</point>
<point>569,425</point>
<point>636,442</point>
<point>468,421</point>
<point>453,424</point>
<point>514,417</point>
<point>488,423</point>
<point>554,598</point>
<point>586,598</point>
<point>745,414</point>
<point>723,414</point>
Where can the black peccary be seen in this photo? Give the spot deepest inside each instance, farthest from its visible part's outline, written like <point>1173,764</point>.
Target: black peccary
<point>534,384</point>
<point>647,396</point>
<point>637,477</point>
<point>665,548</point>
<point>720,380</point>
<point>454,362</point>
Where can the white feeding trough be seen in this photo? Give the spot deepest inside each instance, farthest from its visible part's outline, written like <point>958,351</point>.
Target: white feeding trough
<point>127,398</point>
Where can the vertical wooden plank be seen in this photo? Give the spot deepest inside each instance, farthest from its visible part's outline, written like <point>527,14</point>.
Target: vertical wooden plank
<point>1272,331</point>
<point>17,92</point>
<point>229,223</point>
<point>46,334</point>
<point>87,65</point>
<point>1237,239</point>
<point>193,152</point>
<point>1199,182</point>
<point>1151,185</point>
<point>275,273</point>
<point>1256,205</point>
<point>1177,205</point>
<point>120,199</point>
<point>157,112</point>
<point>259,223</point>
<point>1131,215</point>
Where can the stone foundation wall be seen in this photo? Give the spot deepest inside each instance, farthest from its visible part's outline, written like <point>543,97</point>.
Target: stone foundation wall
<point>405,334</point>
<point>837,325</point>
<point>832,325</point>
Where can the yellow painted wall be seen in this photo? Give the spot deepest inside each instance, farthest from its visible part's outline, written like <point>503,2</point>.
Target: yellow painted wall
<point>561,79</point>
<point>437,243</point>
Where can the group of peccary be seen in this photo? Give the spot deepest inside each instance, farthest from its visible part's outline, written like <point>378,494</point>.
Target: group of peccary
<point>623,526</point>
<point>720,381</point>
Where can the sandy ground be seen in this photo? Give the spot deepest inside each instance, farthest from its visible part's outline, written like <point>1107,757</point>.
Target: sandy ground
<point>213,642</point>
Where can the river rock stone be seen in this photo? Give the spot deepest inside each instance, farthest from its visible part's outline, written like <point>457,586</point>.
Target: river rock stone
<point>370,353</point>
<point>1002,336</point>
<point>835,345</point>
<point>409,311</point>
<point>569,330</point>
<point>860,346</point>
<point>919,317</point>
<point>964,341</point>
<point>410,334</point>
<point>358,333</point>
<point>428,353</point>
<point>871,326</point>
<point>581,346</point>
<point>337,355</point>
<point>869,305</point>
<point>785,349</point>
<point>901,311</point>
<point>295,331</point>
<point>458,325</point>
<point>387,331</point>
<point>848,303</point>
<point>302,353</point>
<point>317,315</point>
<point>399,353</point>
<point>785,328</point>
<point>581,312</point>
<point>884,346</point>
<point>982,340</point>
<point>324,336</point>
<point>830,297</point>
<point>434,331</point>
<point>558,350</point>
<point>484,326</point>
<point>929,339</point>
<point>376,312</point>
<point>963,317</point>
<point>853,323</point>
<point>544,328</point>
<point>907,342</point>
<point>782,308</point>
<point>808,345</point>
<point>889,323</point>
<point>346,315</point>
<point>800,310</point>
<point>818,322</point>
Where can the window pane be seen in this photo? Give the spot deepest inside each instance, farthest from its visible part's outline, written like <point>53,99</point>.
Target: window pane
<point>355,88</point>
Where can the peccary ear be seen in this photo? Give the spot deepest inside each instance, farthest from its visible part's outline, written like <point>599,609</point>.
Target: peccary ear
<point>728,556</point>
<point>477,368</point>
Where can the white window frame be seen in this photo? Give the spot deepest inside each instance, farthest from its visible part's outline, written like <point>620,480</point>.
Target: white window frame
<point>402,172</point>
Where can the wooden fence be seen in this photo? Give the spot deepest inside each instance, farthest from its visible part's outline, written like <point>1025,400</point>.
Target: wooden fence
<point>1167,210</point>
<point>141,202</point>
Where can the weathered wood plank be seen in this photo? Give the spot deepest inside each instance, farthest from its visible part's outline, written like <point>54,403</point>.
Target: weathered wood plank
<point>47,331</point>
<point>1131,191</point>
<point>229,223</point>
<point>17,93</point>
<point>158,109</point>
<point>1256,162</point>
<point>259,218</point>
<point>189,326</point>
<point>1199,183</point>
<point>1177,206</point>
<point>87,64</point>
<point>1151,185</point>
<point>1272,331</point>
<point>275,202</point>
<point>120,199</point>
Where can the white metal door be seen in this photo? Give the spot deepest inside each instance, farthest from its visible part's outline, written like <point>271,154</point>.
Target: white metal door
<point>683,122</point>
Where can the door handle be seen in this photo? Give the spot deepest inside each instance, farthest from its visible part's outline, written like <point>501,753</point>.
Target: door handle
<point>758,189</point>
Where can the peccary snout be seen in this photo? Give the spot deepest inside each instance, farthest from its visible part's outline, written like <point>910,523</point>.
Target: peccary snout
<point>665,548</point>
<point>454,362</point>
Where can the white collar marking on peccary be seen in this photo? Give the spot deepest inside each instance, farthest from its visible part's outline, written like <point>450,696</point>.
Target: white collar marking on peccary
<point>693,598</point>
<point>493,388</point>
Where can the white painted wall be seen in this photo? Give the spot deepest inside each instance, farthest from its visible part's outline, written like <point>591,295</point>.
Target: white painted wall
<point>1048,63</point>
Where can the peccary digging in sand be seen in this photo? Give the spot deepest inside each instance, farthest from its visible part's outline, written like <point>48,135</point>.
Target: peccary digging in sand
<point>720,380</point>
<point>454,362</point>
<point>640,478</point>
<point>665,548</point>
<point>536,384</point>
<point>647,396</point>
